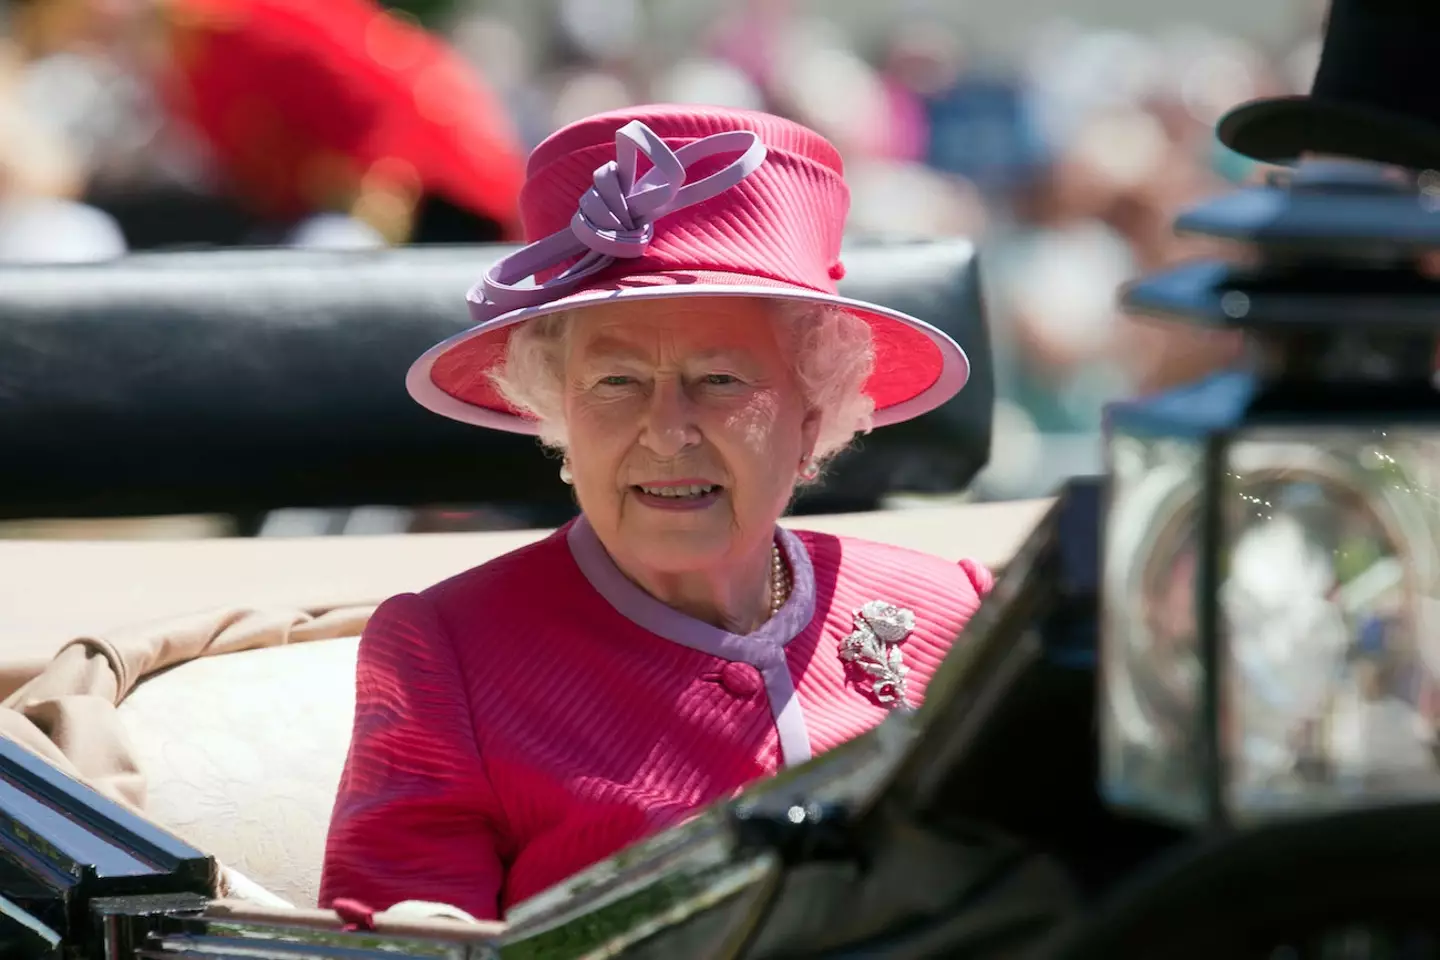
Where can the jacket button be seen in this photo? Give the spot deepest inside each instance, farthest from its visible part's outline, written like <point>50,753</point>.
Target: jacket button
<point>741,680</point>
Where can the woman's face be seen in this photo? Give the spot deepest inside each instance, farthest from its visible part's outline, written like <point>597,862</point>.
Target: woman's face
<point>686,429</point>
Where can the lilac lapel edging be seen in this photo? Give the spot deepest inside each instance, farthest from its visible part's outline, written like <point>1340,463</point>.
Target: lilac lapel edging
<point>764,649</point>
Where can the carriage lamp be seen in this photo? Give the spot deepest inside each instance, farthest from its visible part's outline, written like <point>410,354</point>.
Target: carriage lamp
<point>1270,601</point>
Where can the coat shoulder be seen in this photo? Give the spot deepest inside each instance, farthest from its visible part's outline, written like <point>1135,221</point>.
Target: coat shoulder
<point>534,568</point>
<point>889,566</point>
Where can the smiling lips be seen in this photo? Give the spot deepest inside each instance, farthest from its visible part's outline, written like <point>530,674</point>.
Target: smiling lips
<point>677,489</point>
<point>678,495</point>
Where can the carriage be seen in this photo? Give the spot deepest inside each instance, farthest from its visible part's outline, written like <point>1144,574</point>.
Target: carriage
<point>176,713</point>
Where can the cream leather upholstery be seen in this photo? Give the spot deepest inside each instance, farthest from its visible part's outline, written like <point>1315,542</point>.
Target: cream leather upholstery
<point>242,753</point>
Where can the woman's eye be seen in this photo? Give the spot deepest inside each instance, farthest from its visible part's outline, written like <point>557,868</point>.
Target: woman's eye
<point>721,380</point>
<point>616,380</point>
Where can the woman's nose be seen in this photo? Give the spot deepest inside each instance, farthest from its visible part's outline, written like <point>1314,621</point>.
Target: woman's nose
<point>669,419</point>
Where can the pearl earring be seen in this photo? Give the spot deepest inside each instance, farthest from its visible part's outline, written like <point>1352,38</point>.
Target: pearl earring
<point>808,470</point>
<point>566,475</point>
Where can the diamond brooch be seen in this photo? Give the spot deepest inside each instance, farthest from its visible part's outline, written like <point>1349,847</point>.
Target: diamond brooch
<point>873,651</point>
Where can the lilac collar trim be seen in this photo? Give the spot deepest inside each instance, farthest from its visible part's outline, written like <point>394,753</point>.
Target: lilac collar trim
<point>760,649</point>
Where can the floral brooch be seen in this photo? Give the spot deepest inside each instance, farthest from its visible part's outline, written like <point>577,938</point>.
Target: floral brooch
<point>873,651</point>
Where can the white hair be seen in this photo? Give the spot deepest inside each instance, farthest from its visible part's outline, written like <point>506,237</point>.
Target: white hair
<point>831,352</point>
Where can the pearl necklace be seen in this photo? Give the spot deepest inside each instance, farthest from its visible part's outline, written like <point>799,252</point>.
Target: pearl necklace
<point>779,580</point>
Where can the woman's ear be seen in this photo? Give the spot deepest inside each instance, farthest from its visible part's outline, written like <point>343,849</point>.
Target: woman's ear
<point>809,434</point>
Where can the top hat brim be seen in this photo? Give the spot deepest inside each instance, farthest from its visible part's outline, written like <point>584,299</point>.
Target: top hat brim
<point>1284,129</point>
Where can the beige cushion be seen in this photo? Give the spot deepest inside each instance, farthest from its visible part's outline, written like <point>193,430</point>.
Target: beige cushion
<point>242,755</point>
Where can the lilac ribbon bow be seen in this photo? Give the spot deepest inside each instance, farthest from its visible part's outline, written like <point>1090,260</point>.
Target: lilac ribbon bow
<point>617,215</point>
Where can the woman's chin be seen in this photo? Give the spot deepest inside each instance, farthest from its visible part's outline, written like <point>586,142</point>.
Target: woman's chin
<point>682,551</point>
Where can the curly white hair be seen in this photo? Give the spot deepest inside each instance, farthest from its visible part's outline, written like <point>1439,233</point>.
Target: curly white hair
<point>831,351</point>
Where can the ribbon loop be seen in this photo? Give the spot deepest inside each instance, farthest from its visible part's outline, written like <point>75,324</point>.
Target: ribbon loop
<point>616,216</point>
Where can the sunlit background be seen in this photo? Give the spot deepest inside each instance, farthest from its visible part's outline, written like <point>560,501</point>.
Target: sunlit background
<point>1062,135</point>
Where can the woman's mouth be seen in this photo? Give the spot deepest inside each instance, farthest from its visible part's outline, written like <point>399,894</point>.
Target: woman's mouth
<point>677,496</point>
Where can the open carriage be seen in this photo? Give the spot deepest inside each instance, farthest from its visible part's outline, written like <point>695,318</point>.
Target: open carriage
<point>208,684</point>
<point>203,689</point>
<point>177,713</point>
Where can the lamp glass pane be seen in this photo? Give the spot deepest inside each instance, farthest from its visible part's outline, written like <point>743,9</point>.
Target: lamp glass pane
<point>1151,716</point>
<point>1330,626</point>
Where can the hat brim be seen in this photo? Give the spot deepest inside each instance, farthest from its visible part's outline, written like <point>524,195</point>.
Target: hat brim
<point>1284,129</point>
<point>918,367</point>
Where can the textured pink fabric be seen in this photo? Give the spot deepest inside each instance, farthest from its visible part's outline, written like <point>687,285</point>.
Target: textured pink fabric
<point>512,727</point>
<point>784,221</point>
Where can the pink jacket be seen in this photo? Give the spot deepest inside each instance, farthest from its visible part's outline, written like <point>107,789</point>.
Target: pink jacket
<point>522,720</point>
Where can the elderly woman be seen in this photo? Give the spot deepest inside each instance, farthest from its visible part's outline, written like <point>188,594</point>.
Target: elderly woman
<point>683,346</point>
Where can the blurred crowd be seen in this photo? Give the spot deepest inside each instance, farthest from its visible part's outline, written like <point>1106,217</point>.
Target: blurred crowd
<point>1066,162</point>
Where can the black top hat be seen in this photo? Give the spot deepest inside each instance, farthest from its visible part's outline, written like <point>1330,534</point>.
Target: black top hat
<point>1374,96</point>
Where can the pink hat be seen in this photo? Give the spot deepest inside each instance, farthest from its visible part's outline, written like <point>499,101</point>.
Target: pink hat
<point>733,203</point>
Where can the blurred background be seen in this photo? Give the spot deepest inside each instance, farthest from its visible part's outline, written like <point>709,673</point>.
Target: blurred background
<point>1062,135</point>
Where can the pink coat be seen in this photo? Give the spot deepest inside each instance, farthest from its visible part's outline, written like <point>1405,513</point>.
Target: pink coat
<point>522,720</point>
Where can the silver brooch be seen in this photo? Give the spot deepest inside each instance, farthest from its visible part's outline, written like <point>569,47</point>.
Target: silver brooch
<point>874,650</point>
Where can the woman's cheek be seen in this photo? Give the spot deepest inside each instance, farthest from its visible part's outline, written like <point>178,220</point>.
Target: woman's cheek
<point>752,422</point>
<point>597,413</point>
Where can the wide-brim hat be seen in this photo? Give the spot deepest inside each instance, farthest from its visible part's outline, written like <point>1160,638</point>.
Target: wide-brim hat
<point>661,202</point>
<point>1373,97</point>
